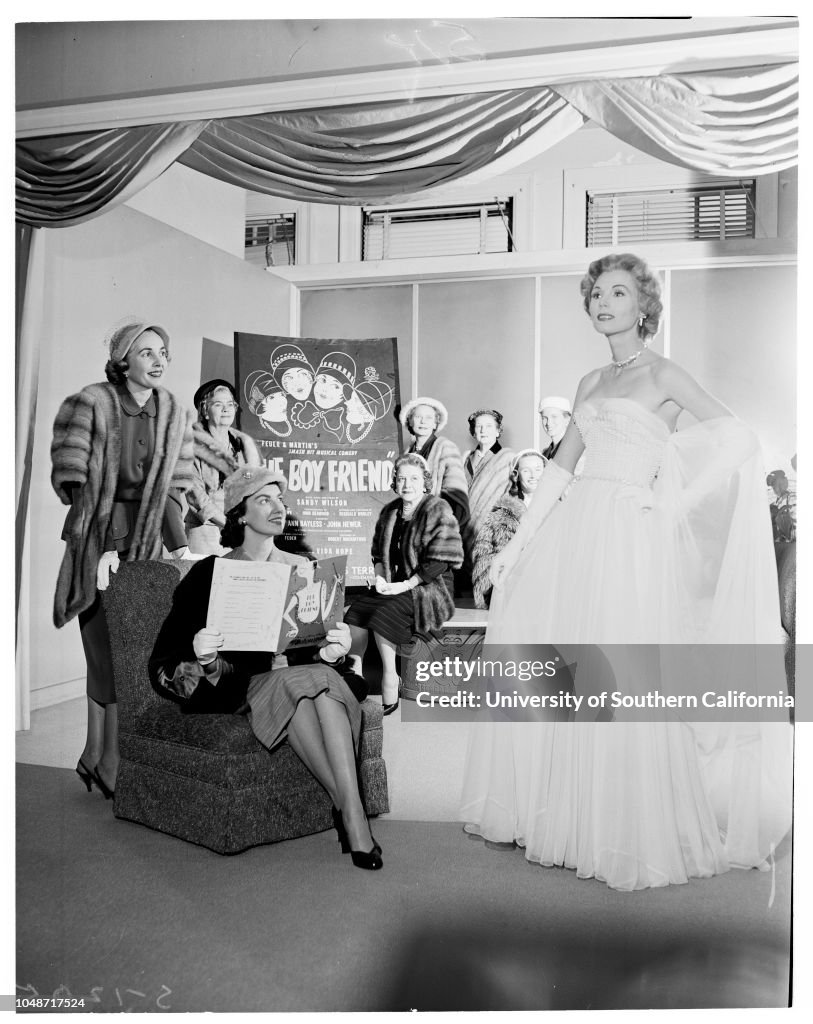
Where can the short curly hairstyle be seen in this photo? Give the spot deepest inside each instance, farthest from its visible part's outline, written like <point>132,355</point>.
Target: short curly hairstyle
<point>233,531</point>
<point>515,488</point>
<point>116,371</point>
<point>418,462</point>
<point>493,413</point>
<point>649,287</point>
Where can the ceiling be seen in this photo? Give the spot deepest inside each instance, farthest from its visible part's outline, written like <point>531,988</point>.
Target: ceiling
<point>73,76</point>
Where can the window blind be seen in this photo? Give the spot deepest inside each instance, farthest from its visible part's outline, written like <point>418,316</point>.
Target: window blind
<point>391,234</point>
<point>715,210</point>
<point>271,241</point>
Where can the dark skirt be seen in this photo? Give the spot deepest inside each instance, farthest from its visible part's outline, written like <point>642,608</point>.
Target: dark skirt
<point>392,617</point>
<point>274,697</point>
<point>101,686</point>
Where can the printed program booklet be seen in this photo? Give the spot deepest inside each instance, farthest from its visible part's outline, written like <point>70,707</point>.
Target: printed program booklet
<point>270,606</point>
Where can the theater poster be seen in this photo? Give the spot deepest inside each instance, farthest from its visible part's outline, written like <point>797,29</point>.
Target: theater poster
<point>324,412</point>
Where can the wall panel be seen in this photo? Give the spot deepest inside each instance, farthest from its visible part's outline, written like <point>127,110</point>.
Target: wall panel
<point>476,349</point>
<point>735,331</point>
<point>384,312</point>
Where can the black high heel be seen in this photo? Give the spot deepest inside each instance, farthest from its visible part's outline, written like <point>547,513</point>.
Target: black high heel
<point>344,842</point>
<point>107,792</point>
<point>389,708</point>
<point>369,861</point>
<point>84,774</point>
<point>338,824</point>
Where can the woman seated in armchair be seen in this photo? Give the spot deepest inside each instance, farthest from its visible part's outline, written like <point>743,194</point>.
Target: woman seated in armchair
<point>310,704</point>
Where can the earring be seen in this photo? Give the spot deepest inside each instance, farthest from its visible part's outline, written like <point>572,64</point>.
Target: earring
<point>242,522</point>
<point>642,319</point>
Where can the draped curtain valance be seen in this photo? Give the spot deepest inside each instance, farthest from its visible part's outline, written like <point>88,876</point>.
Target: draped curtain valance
<point>734,122</point>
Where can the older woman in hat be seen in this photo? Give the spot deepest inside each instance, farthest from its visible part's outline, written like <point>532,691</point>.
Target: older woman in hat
<point>425,418</point>
<point>502,522</point>
<point>121,457</point>
<point>487,465</point>
<point>310,705</point>
<point>415,547</point>
<point>220,449</point>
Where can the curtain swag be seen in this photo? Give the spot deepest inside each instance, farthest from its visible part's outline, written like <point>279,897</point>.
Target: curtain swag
<point>740,122</point>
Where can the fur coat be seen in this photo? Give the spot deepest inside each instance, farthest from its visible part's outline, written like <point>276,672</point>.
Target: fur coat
<point>445,464</point>
<point>85,454</point>
<point>212,463</point>
<point>432,535</point>
<point>488,483</point>
<point>499,526</point>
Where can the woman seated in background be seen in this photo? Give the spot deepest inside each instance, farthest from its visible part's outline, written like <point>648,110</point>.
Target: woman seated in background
<point>121,457</point>
<point>415,547</point>
<point>220,449</point>
<point>487,466</point>
<point>308,704</point>
<point>502,521</point>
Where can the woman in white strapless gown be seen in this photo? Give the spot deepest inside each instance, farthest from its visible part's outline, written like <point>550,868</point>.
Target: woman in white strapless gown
<point>664,538</point>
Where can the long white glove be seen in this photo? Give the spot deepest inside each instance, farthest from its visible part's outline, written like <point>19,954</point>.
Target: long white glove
<point>551,487</point>
<point>109,562</point>
<point>338,643</point>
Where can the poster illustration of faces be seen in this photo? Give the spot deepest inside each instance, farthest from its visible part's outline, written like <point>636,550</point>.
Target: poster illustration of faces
<point>324,412</point>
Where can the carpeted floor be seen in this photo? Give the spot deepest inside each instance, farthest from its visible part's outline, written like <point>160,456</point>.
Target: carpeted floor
<point>133,920</point>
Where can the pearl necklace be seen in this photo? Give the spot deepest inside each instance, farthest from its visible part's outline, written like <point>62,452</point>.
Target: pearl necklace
<point>622,364</point>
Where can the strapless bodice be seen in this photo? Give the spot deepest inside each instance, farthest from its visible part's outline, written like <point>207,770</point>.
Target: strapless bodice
<point>624,442</point>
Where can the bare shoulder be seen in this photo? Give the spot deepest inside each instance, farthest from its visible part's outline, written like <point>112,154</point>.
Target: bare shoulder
<point>679,386</point>
<point>588,384</point>
<point>664,372</point>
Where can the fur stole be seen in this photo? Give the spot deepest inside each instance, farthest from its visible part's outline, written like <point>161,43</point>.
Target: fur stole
<point>498,527</point>
<point>85,457</point>
<point>445,465</point>
<point>490,482</point>
<point>213,463</point>
<point>432,535</point>
<point>210,451</point>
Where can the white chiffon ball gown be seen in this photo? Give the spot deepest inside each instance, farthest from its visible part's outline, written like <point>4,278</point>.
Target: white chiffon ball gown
<point>665,538</point>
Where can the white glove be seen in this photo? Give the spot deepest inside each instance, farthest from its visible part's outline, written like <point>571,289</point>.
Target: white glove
<point>109,562</point>
<point>390,589</point>
<point>551,487</point>
<point>503,562</point>
<point>338,643</point>
<point>206,643</point>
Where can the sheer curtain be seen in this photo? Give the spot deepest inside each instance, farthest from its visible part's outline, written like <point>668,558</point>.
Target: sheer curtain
<point>30,288</point>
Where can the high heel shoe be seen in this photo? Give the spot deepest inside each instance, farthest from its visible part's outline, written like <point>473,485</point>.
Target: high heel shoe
<point>344,842</point>
<point>107,792</point>
<point>389,708</point>
<point>338,824</point>
<point>369,861</point>
<point>85,774</point>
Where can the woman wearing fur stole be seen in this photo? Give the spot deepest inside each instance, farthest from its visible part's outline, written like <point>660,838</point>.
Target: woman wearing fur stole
<point>416,546</point>
<point>487,465</point>
<point>121,457</point>
<point>220,449</point>
<point>501,523</point>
